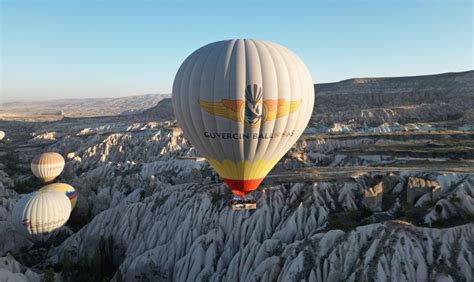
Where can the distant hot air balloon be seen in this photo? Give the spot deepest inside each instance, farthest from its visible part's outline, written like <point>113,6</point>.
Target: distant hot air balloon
<point>2,135</point>
<point>47,166</point>
<point>243,104</point>
<point>41,213</point>
<point>64,188</point>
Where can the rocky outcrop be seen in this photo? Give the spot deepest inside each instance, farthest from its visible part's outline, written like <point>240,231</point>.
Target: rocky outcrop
<point>373,197</point>
<point>11,270</point>
<point>418,187</point>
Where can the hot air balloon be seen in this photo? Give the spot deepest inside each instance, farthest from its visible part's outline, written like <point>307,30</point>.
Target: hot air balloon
<point>47,166</point>
<point>66,189</point>
<point>41,213</point>
<point>2,135</point>
<point>243,104</point>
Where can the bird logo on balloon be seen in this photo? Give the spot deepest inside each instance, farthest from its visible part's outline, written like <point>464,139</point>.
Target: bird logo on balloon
<point>253,110</point>
<point>253,104</point>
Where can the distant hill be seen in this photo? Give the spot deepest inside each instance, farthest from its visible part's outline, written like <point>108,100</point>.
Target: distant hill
<point>395,91</point>
<point>163,110</point>
<point>443,98</point>
<point>88,107</point>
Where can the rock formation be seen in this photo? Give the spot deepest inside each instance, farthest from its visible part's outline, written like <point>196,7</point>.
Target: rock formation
<point>391,199</point>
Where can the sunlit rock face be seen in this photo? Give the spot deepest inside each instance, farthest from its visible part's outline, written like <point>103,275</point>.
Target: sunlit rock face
<point>422,188</point>
<point>373,197</point>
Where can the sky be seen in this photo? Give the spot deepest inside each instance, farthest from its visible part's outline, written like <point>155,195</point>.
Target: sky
<point>76,49</point>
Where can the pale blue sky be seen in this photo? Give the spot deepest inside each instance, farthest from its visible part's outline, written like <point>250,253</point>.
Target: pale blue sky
<point>73,49</point>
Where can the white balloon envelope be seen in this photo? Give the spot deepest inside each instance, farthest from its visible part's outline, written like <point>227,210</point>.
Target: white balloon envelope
<point>67,189</point>
<point>40,214</point>
<point>243,104</point>
<point>47,166</point>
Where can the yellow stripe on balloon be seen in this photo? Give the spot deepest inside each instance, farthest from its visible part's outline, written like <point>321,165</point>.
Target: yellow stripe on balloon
<point>63,188</point>
<point>243,170</point>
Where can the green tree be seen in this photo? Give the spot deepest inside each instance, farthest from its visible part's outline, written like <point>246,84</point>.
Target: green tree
<point>48,275</point>
<point>96,268</point>
<point>110,242</point>
<point>102,245</point>
<point>67,267</point>
<point>106,256</point>
<point>119,277</point>
<point>82,272</point>
<point>97,264</point>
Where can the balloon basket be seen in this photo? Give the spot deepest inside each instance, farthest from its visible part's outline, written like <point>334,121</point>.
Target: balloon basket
<point>243,204</point>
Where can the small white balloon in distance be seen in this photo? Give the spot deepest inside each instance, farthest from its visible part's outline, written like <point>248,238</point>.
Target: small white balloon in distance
<point>47,166</point>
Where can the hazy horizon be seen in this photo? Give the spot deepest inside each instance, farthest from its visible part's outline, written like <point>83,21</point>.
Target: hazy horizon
<point>50,99</point>
<point>94,49</point>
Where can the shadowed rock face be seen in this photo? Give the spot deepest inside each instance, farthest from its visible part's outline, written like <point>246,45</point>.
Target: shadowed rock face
<point>163,110</point>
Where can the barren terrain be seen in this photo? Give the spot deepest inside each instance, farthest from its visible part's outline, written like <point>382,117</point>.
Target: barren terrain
<point>57,109</point>
<point>380,187</point>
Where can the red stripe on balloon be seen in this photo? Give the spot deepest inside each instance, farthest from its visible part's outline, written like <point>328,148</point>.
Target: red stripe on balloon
<point>243,187</point>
